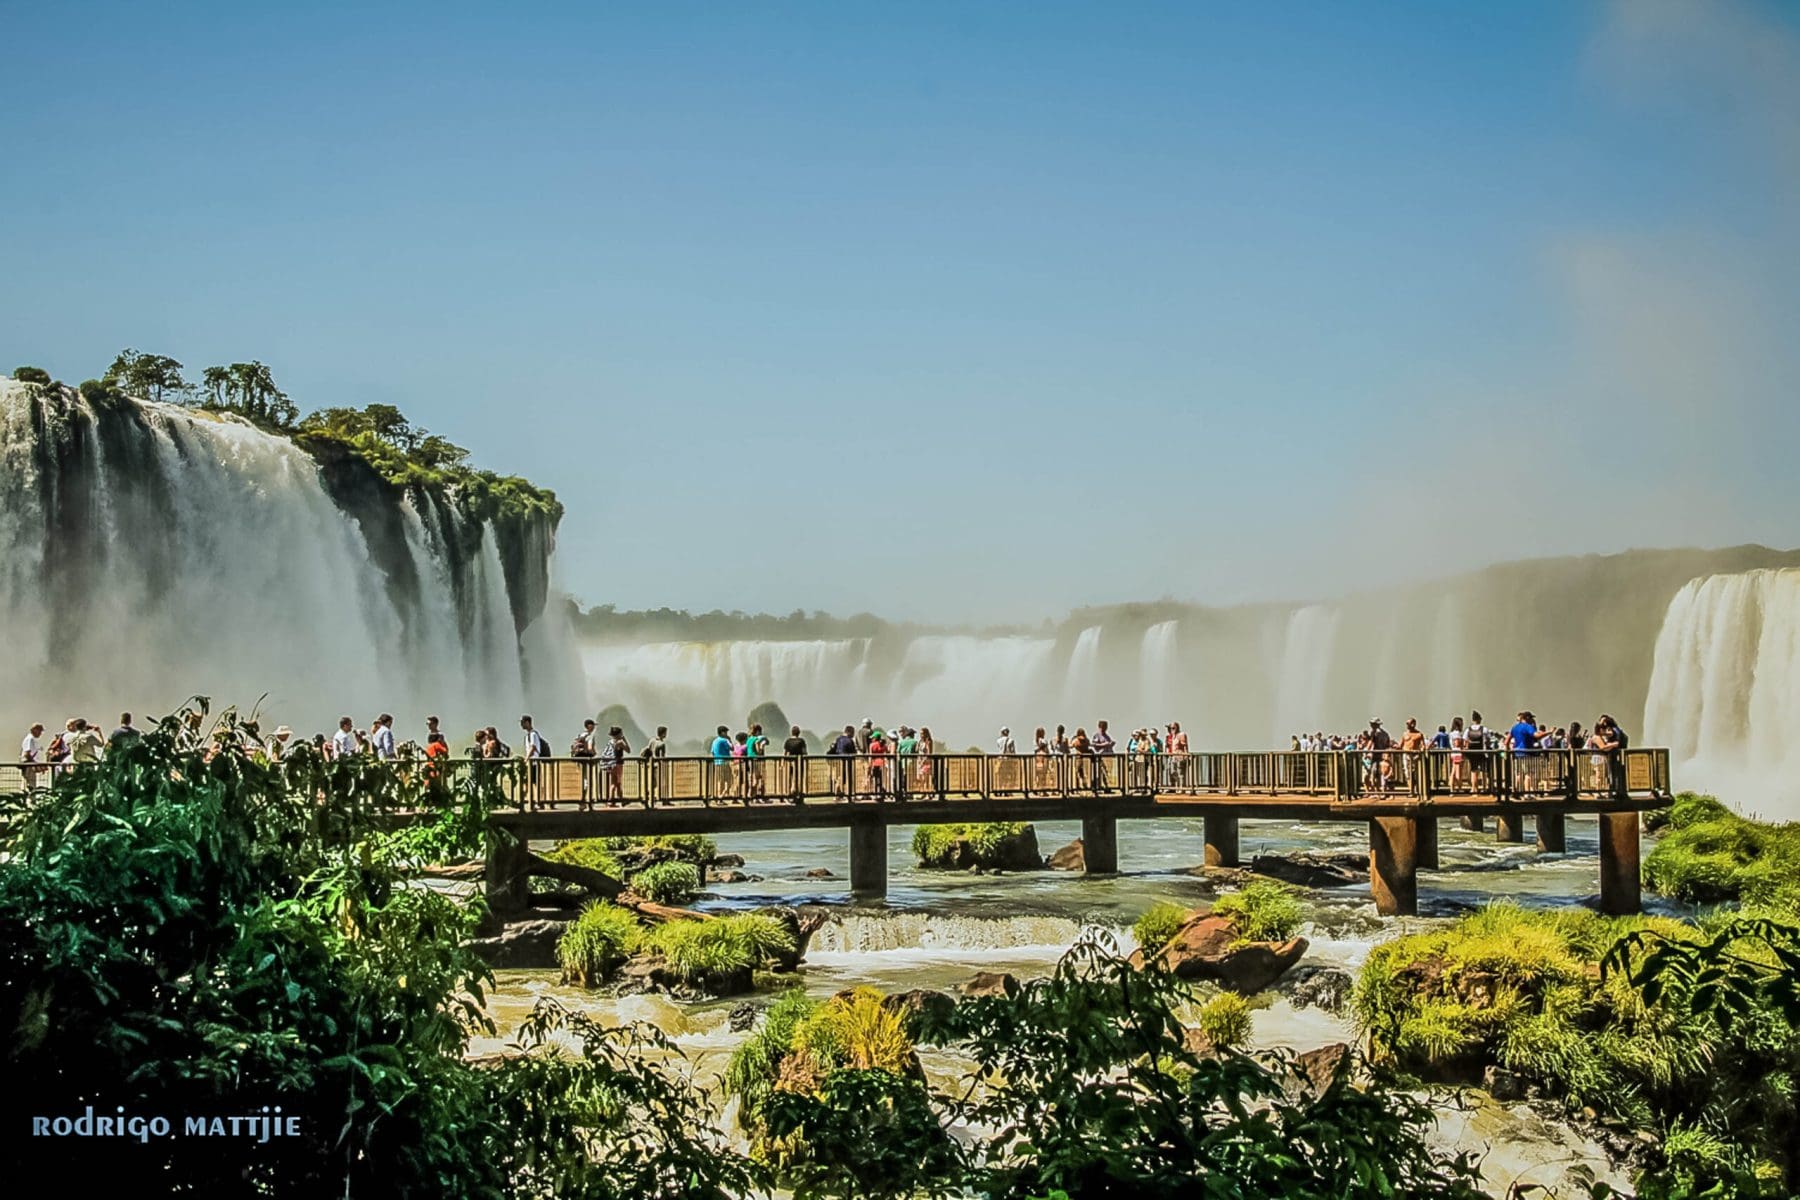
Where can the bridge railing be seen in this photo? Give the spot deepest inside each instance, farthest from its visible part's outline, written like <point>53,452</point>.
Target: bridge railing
<point>1344,775</point>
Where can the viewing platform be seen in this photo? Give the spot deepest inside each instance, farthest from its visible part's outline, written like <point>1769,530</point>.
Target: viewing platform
<point>566,798</point>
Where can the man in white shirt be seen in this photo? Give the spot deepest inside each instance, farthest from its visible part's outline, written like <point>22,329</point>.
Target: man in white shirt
<point>1004,744</point>
<point>384,736</point>
<point>343,742</point>
<point>31,750</point>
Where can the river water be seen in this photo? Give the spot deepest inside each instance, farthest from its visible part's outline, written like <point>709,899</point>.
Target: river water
<point>936,929</point>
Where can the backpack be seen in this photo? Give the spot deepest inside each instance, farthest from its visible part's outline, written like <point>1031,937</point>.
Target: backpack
<point>581,748</point>
<point>58,749</point>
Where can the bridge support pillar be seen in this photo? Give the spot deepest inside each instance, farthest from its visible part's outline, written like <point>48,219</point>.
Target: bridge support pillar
<point>1472,824</point>
<point>1552,832</point>
<point>504,872</point>
<point>1620,883</point>
<point>1221,841</point>
<point>868,860</point>
<point>1100,844</point>
<point>1394,865</point>
<point>1428,842</point>
<point>1509,828</point>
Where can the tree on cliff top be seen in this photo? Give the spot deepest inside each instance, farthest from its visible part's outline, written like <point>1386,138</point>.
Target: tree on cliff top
<point>156,376</point>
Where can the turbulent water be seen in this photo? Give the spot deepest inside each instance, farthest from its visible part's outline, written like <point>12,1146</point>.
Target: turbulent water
<point>1725,688</point>
<point>149,552</point>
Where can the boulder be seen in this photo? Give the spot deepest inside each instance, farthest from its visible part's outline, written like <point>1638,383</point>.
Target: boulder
<point>1314,870</point>
<point>801,922</point>
<point>1070,858</point>
<point>991,983</point>
<point>1322,1067</point>
<point>821,873</point>
<point>1010,852</point>
<point>728,860</point>
<point>716,876</point>
<point>1503,1084</point>
<point>528,943</point>
<point>742,1017</point>
<point>1318,987</point>
<point>1208,947</point>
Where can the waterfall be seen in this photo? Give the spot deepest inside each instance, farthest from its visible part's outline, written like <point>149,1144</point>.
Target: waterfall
<point>1306,655</point>
<point>151,552</point>
<point>1725,689</point>
<point>1157,666</point>
<point>941,934</point>
<point>1081,680</point>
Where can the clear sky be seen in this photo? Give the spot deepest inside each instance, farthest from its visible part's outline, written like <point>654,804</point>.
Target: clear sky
<point>963,311</point>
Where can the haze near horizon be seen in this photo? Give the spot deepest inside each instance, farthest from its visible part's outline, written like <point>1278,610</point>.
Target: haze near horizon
<point>967,316</point>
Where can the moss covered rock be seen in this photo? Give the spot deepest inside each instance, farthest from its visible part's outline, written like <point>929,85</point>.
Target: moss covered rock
<point>990,846</point>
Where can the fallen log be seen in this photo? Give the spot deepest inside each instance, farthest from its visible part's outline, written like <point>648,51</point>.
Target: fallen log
<point>599,883</point>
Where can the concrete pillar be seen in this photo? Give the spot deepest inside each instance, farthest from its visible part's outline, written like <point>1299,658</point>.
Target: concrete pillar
<point>868,859</point>
<point>1620,893</point>
<point>1394,865</point>
<point>1100,845</point>
<point>1428,843</point>
<point>1552,832</point>
<point>1221,841</point>
<point>503,874</point>
<point>1509,827</point>
<point>1472,824</point>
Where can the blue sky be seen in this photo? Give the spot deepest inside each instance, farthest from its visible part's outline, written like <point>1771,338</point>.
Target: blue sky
<point>963,311</point>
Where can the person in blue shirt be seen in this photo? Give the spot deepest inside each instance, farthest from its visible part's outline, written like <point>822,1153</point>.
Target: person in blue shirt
<point>1441,739</point>
<point>1524,743</point>
<point>721,746</point>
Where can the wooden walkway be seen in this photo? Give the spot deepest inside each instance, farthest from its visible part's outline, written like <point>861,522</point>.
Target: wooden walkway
<point>566,798</point>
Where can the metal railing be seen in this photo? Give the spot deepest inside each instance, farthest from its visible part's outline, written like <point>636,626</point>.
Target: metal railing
<point>1340,775</point>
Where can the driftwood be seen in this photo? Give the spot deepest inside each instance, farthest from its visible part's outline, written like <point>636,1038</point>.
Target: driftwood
<point>599,883</point>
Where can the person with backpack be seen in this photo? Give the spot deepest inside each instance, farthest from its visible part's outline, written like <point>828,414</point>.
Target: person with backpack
<point>1611,742</point>
<point>756,754</point>
<point>843,774</point>
<point>583,750</point>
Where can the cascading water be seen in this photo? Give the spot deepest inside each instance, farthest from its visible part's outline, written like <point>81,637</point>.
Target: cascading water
<point>149,552</point>
<point>1306,657</point>
<point>1725,689</point>
<point>1156,664</point>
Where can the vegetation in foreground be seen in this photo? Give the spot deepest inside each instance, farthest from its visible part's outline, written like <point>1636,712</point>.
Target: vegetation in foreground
<point>1707,854</point>
<point>1599,1011</point>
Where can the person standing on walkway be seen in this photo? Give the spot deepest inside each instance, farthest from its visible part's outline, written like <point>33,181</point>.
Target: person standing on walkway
<point>794,752</point>
<point>1524,740</point>
<point>614,774</point>
<point>1178,755</point>
<point>1459,760</point>
<point>843,779</point>
<point>878,761</point>
<point>31,754</point>
<point>1611,742</point>
<point>926,781</point>
<point>756,762</point>
<point>382,736</point>
<point>1004,744</point>
<point>1412,746</point>
<point>1103,743</point>
<point>1476,734</point>
<point>88,743</point>
<point>907,746</point>
<point>343,742</point>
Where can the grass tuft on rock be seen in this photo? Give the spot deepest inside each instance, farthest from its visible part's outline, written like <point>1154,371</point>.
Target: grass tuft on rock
<point>695,848</point>
<point>592,853</point>
<point>667,882</point>
<point>727,948</point>
<point>1159,923</point>
<point>1264,911</point>
<point>596,942</point>
<point>1708,854</point>
<point>979,844</point>
<point>1225,1020</point>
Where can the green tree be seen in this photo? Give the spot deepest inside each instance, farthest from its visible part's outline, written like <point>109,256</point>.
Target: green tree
<point>153,376</point>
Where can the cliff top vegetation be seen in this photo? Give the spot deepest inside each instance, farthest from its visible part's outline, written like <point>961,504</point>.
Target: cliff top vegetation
<point>403,454</point>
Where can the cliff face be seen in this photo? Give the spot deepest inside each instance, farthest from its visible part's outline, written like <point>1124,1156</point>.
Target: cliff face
<point>152,551</point>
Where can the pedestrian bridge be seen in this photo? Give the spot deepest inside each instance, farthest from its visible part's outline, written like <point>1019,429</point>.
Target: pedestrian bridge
<point>573,798</point>
<point>1400,795</point>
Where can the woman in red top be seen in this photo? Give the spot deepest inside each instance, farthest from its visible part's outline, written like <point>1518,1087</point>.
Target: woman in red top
<point>878,752</point>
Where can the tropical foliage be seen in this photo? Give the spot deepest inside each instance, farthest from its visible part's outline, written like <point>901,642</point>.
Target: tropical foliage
<point>1264,911</point>
<point>1707,854</point>
<point>667,882</point>
<point>1160,922</point>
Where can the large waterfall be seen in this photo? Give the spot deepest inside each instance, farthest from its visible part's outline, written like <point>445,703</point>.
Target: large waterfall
<point>149,552</point>
<point>1569,638</point>
<point>1725,689</point>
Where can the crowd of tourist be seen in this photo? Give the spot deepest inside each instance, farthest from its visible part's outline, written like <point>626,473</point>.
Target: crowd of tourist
<point>1465,755</point>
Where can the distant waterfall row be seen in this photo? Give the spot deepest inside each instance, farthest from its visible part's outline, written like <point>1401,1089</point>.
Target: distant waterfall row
<point>148,552</point>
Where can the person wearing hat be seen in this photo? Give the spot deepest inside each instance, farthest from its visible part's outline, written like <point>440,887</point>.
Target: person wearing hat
<point>1004,744</point>
<point>276,746</point>
<point>1524,738</point>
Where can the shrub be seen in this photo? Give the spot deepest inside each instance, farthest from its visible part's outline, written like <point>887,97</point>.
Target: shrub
<point>857,1031</point>
<point>667,882</point>
<point>35,375</point>
<point>1158,924</point>
<point>1225,1020</point>
<point>720,950</point>
<point>592,853</point>
<point>596,942</point>
<point>1264,911</point>
<point>751,1074</point>
<point>1709,854</point>
<point>688,847</point>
